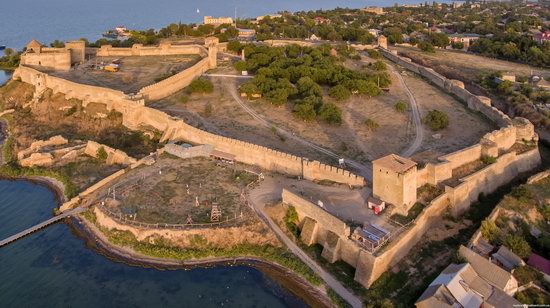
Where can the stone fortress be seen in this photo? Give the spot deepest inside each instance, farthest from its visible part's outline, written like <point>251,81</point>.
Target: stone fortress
<point>395,179</point>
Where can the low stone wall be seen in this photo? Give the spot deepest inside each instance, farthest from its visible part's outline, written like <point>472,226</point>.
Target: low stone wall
<point>325,220</point>
<point>114,156</point>
<point>538,177</point>
<point>196,151</point>
<point>39,144</point>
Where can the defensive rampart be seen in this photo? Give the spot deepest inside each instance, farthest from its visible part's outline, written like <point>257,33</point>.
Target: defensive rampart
<point>136,116</point>
<point>164,49</point>
<point>175,83</point>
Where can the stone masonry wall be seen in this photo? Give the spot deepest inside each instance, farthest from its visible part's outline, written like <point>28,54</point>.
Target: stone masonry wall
<point>136,116</point>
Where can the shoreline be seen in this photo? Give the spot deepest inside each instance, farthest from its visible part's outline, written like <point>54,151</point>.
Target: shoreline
<point>290,281</point>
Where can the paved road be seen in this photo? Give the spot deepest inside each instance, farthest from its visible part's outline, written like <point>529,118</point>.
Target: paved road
<point>264,194</point>
<point>419,130</point>
<point>364,170</point>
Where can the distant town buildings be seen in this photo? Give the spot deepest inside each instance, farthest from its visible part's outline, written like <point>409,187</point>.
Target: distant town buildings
<point>260,18</point>
<point>209,20</point>
<point>542,37</point>
<point>373,9</point>
<point>247,34</point>
<point>465,38</point>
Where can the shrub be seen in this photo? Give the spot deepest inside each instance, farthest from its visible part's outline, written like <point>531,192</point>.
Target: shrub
<point>371,124</point>
<point>426,47</point>
<point>487,159</point>
<point>401,106</point>
<point>291,221</point>
<point>184,99</point>
<point>489,230</point>
<point>304,111</point>
<point>235,46</point>
<point>436,120</point>
<point>331,114</point>
<point>208,110</point>
<point>518,245</point>
<point>102,154</point>
<point>240,66</point>
<point>457,45</point>
<point>201,85</point>
<point>339,93</point>
<point>521,193</point>
<point>379,66</point>
<point>374,54</point>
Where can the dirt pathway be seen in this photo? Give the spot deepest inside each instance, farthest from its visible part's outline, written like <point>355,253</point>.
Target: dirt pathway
<point>267,192</point>
<point>363,169</point>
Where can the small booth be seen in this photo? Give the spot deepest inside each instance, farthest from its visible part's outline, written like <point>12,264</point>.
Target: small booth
<point>223,156</point>
<point>376,205</point>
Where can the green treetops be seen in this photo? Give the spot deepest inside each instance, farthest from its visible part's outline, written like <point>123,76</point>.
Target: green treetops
<point>201,85</point>
<point>436,120</point>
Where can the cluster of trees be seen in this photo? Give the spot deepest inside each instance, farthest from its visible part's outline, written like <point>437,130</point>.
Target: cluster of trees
<point>513,47</point>
<point>10,60</point>
<point>300,73</point>
<point>522,97</point>
<point>201,86</point>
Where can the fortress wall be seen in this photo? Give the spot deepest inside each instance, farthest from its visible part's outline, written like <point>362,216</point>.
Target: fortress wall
<point>324,219</point>
<point>162,50</point>
<point>48,60</point>
<point>488,179</point>
<point>371,267</point>
<point>503,138</point>
<point>135,116</point>
<point>175,83</point>
<point>421,177</point>
<point>452,87</point>
<point>317,170</point>
<point>462,157</point>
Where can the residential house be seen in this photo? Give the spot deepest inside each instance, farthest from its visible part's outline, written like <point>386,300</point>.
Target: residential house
<point>542,37</point>
<point>507,258</point>
<point>459,285</point>
<point>464,38</point>
<point>490,272</point>
<point>540,263</point>
<point>247,34</point>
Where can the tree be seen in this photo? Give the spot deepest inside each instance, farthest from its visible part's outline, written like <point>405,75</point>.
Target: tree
<point>331,114</point>
<point>518,245</point>
<point>401,106</point>
<point>426,47</point>
<point>235,46</point>
<point>201,85</point>
<point>457,45</point>
<point>489,230</point>
<point>436,120</point>
<point>307,87</point>
<point>57,44</point>
<point>505,87</point>
<point>339,93</point>
<point>439,39</point>
<point>379,66</point>
<point>240,66</point>
<point>304,111</point>
<point>101,154</point>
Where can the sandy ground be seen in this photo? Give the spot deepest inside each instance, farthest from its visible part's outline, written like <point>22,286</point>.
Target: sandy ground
<point>135,72</point>
<point>465,127</point>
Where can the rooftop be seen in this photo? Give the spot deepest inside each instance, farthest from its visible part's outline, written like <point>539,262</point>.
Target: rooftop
<point>395,163</point>
<point>539,263</point>
<point>491,272</point>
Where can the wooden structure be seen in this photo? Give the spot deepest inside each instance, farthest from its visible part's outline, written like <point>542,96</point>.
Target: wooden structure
<point>215,214</point>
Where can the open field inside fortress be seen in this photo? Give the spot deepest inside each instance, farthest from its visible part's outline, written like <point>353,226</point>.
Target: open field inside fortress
<point>465,126</point>
<point>227,118</point>
<point>135,72</point>
<point>168,191</point>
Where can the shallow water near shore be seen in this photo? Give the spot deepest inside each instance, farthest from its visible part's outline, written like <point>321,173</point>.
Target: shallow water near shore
<point>4,77</point>
<point>55,268</point>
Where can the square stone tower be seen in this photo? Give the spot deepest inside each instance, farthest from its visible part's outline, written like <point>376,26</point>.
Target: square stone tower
<point>211,43</point>
<point>394,181</point>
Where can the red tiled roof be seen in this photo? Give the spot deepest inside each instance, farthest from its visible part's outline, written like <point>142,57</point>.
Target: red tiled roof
<point>539,263</point>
